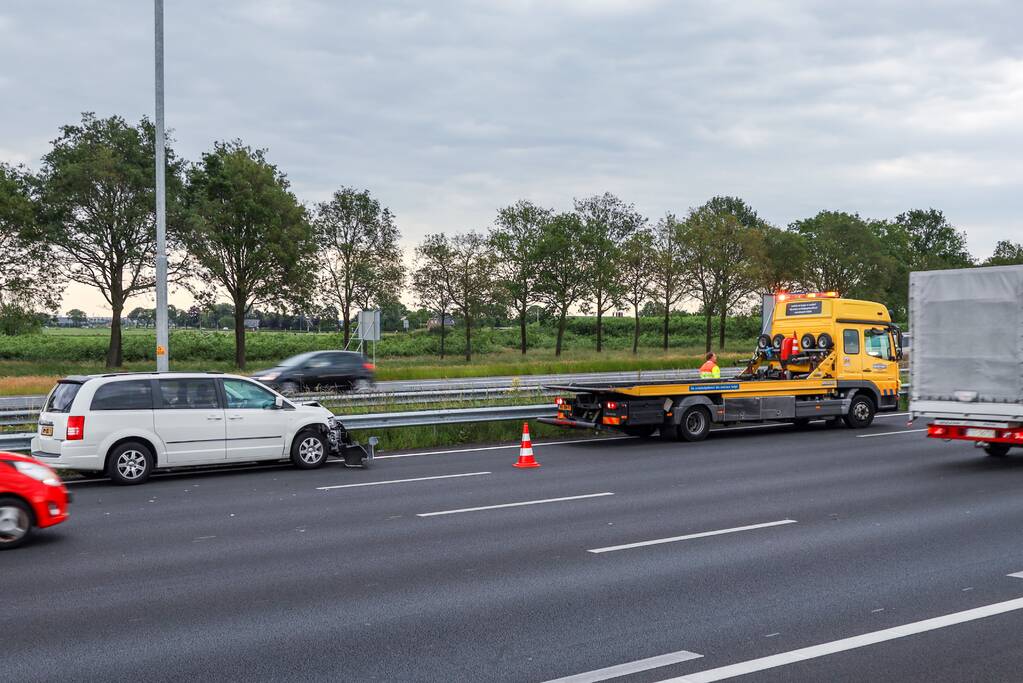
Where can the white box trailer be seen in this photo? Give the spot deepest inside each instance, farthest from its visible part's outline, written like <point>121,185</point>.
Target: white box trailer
<point>966,367</point>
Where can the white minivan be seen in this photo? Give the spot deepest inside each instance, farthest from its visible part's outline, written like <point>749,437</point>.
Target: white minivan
<point>128,424</point>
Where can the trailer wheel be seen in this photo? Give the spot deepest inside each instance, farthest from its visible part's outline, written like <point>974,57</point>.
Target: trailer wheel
<point>997,450</point>
<point>695,424</point>
<point>861,412</point>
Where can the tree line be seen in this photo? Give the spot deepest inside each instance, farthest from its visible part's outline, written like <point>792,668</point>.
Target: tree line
<point>236,231</point>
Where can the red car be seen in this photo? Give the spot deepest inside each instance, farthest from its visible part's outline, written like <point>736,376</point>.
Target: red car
<point>31,495</point>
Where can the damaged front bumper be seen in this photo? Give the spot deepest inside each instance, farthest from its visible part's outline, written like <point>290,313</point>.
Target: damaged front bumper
<point>344,446</point>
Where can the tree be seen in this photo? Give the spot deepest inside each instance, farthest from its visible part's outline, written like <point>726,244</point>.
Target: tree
<point>737,276</point>
<point>77,317</point>
<point>724,262</point>
<point>97,200</point>
<point>607,223</point>
<point>636,275</point>
<point>358,245</point>
<point>514,241</point>
<point>469,280</point>
<point>248,234</point>
<point>562,270</point>
<point>433,261</point>
<point>918,240</point>
<point>843,255</point>
<point>785,254</point>
<point>27,278</point>
<point>667,269</point>
<point>1006,254</point>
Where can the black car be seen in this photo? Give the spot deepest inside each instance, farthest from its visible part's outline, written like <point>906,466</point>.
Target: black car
<point>344,370</point>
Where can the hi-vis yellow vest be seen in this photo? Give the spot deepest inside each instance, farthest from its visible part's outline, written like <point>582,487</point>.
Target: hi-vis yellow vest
<point>710,370</point>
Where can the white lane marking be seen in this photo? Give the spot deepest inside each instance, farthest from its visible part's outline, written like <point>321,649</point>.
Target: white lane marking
<point>904,431</point>
<point>513,505</point>
<point>497,448</point>
<point>824,649</point>
<point>399,481</point>
<point>629,668</point>
<point>1017,575</point>
<point>687,537</point>
<point>877,417</point>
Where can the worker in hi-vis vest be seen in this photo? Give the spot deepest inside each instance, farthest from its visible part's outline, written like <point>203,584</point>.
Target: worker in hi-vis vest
<point>710,369</point>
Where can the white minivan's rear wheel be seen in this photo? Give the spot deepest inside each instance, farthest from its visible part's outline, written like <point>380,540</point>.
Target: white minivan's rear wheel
<point>15,522</point>
<point>309,450</point>
<point>130,463</point>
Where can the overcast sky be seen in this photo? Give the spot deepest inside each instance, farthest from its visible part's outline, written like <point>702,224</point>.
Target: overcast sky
<point>447,110</point>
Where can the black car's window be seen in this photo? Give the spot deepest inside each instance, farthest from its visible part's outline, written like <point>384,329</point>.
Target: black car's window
<point>133,395</point>
<point>242,394</point>
<point>851,342</point>
<point>184,394</point>
<point>62,396</point>
<point>297,361</point>
<point>321,360</point>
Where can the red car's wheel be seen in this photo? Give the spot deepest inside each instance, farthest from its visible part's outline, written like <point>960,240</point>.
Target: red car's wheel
<point>15,522</point>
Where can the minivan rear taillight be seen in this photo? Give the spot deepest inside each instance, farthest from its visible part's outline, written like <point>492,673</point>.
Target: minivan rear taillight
<point>75,427</point>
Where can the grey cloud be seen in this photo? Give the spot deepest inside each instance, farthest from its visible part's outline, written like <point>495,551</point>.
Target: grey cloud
<point>449,109</point>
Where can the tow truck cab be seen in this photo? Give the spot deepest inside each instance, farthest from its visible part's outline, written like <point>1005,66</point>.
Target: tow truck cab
<point>843,364</point>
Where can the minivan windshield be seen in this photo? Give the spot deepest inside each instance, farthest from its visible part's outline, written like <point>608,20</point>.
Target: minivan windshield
<point>61,398</point>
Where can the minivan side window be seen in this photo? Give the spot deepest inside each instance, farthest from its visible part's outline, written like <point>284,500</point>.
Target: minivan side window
<point>188,394</point>
<point>242,394</point>
<point>851,342</point>
<point>130,395</point>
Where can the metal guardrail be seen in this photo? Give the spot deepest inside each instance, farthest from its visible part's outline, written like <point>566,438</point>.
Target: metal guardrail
<point>416,418</point>
<point>437,390</point>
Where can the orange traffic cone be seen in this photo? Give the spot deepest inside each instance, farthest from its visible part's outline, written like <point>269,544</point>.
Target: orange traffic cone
<point>526,450</point>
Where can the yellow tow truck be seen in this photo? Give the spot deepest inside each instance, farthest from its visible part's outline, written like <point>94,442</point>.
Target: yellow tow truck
<point>820,356</point>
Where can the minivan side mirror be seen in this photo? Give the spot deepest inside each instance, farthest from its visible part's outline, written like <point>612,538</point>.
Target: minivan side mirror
<point>278,403</point>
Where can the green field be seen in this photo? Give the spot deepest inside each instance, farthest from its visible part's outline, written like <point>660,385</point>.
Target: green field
<point>29,364</point>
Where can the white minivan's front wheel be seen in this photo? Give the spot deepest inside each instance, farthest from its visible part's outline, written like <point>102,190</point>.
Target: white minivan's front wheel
<point>309,450</point>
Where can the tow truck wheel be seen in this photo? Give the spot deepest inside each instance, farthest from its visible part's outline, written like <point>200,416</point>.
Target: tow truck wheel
<point>694,425</point>
<point>861,412</point>
<point>997,450</point>
<point>643,431</point>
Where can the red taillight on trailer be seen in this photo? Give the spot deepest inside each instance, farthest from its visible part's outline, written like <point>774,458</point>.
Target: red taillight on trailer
<point>611,405</point>
<point>558,401</point>
<point>75,427</point>
<point>936,430</point>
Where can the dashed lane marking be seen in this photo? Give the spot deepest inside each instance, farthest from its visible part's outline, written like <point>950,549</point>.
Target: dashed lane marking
<point>687,537</point>
<point>513,505</point>
<point>400,481</point>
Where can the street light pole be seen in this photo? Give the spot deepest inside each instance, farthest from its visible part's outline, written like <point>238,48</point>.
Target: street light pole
<point>162,335</point>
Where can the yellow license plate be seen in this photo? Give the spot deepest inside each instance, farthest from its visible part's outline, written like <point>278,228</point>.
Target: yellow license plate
<point>46,430</point>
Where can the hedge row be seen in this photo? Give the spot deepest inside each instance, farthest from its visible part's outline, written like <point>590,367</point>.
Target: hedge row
<point>685,331</point>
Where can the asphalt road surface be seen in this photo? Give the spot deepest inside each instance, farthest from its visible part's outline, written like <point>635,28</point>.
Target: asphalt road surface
<point>781,555</point>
